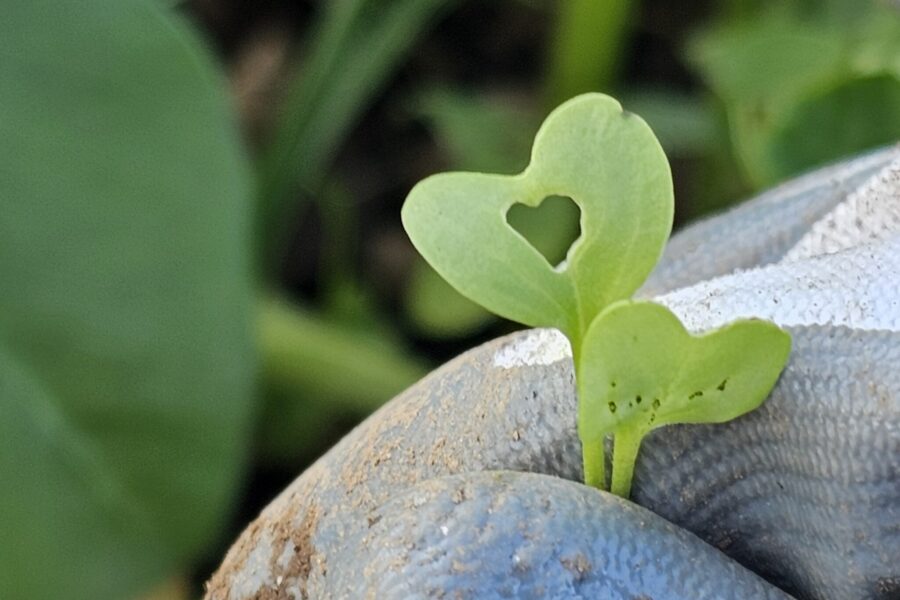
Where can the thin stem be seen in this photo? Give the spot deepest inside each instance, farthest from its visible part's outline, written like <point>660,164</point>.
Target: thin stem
<point>586,46</point>
<point>593,453</point>
<point>594,464</point>
<point>340,229</point>
<point>625,450</point>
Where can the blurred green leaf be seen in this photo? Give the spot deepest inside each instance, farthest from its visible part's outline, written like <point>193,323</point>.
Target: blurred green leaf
<point>435,308</point>
<point>63,509</point>
<point>479,133</point>
<point>363,371</point>
<point>683,124</point>
<point>127,360</point>
<point>877,43</point>
<point>316,370</point>
<point>357,46</point>
<point>585,46</point>
<point>324,369</point>
<point>799,91</point>
<point>860,113</point>
<point>297,428</point>
<point>770,59</point>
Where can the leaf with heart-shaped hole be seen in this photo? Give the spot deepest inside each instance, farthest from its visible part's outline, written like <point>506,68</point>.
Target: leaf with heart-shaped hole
<point>552,227</point>
<point>640,369</point>
<point>609,163</point>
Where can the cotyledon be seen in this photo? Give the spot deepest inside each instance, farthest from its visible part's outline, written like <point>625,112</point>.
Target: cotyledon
<point>465,485</point>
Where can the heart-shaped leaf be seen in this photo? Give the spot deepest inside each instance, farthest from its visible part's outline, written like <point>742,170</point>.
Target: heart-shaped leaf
<point>610,164</point>
<point>640,369</point>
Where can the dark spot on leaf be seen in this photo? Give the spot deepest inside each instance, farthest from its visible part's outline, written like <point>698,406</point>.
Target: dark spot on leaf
<point>612,407</point>
<point>696,394</point>
<point>655,403</point>
<point>721,387</point>
<point>612,384</point>
<point>638,399</point>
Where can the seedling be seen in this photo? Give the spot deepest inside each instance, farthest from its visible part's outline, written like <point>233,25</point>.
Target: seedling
<point>636,367</point>
<point>641,370</point>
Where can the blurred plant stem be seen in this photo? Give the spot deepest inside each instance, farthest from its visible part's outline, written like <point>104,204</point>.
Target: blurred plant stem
<point>585,47</point>
<point>344,299</point>
<point>315,359</point>
<point>356,47</point>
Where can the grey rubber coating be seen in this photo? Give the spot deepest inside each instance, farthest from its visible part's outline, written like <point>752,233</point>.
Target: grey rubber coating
<point>461,418</point>
<point>777,219</point>
<point>503,534</point>
<point>804,491</point>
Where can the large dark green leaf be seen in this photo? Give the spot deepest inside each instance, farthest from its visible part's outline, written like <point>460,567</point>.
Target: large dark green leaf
<point>856,115</point>
<point>801,92</point>
<point>769,59</point>
<point>126,362</point>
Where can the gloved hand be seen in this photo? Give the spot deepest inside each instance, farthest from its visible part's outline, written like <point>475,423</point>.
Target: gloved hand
<point>467,485</point>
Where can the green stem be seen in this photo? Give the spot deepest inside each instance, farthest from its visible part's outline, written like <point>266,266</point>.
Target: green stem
<point>592,452</point>
<point>586,45</point>
<point>625,450</point>
<point>340,230</point>
<point>594,464</point>
<point>358,46</point>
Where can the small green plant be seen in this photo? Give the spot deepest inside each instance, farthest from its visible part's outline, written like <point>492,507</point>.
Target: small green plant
<point>640,369</point>
<point>636,367</point>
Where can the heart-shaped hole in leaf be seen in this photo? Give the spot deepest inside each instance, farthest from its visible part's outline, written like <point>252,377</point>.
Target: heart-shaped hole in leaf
<point>553,227</point>
<point>641,369</point>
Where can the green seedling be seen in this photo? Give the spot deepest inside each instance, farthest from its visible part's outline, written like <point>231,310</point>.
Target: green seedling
<point>610,164</point>
<point>642,370</point>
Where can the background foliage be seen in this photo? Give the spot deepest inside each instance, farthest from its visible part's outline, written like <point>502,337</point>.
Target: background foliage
<point>203,278</point>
